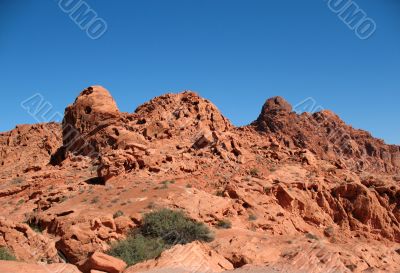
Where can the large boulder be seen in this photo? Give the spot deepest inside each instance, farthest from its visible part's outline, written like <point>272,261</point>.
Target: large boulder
<point>93,105</point>
<point>273,114</point>
<point>93,110</point>
<point>102,262</point>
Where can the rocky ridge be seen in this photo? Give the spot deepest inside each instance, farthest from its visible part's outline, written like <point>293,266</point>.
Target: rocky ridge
<point>296,187</point>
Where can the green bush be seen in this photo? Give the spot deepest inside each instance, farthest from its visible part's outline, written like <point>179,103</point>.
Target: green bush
<point>252,217</point>
<point>95,200</point>
<point>174,227</point>
<point>226,224</point>
<point>160,230</point>
<point>254,172</point>
<point>118,214</point>
<point>35,226</point>
<point>311,236</point>
<point>137,248</point>
<point>220,193</point>
<point>17,180</point>
<point>6,255</point>
<point>167,182</point>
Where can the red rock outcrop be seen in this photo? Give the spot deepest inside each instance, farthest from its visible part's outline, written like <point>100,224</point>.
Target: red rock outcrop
<point>294,187</point>
<point>326,135</point>
<point>176,114</point>
<point>81,236</point>
<point>26,244</point>
<point>93,126</point>
<point>102,262</point>
<point>27,148</point>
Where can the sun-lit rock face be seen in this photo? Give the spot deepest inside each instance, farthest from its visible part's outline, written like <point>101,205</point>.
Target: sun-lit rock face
<point>27,148</point>
<point>91,109</point>
<point>93,126</point>
<point>276,105</point>
<point>92,106</point>
<point>184,111</point>
<point>274,113</point>
<point>328,136</point>
<point>289,188</point>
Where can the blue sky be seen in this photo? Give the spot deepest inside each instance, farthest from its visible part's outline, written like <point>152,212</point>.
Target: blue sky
<point>236,53</point>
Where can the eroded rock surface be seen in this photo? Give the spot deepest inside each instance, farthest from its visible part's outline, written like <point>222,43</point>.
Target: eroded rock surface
<point>294,187</point>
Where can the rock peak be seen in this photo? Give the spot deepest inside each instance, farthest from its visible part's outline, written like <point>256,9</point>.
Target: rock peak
<point>97,99</point>
<point>276,104</point>
<point>93,105</point>
<point>184,110</point>
<point>272,113</point>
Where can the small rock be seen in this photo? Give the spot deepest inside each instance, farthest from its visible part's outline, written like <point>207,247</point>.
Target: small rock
<point>102,262</point>
<point>203,141</point>
<point>123,224</point>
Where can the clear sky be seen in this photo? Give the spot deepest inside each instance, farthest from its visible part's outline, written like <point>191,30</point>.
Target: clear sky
<point>236,53</point>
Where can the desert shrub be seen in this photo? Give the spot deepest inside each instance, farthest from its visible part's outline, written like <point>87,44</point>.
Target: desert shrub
<point>137,248</point>
<point>36,227</point>
<point>160,230</point>
<point>17,180</point>
<point>174,227</point>
<point>273,169</point>
<point>254,172</point>
<point>163,185</point>
<point>329,231</point>
<point>352,267</point>
<point>63,199</point>
<point>118,214</point>
<point>220,193</point>
<point>267,190</point>
<point>6,255</point>
<point>252,217</point>
<point>95,200</point>
<point>226,224</point>
<point>34,224</point>
<point>311,236</point>
<point>167,182</point>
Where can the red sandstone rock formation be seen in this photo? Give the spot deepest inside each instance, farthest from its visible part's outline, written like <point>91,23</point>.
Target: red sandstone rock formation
<point>326,135</point>
<point>302,191</point>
